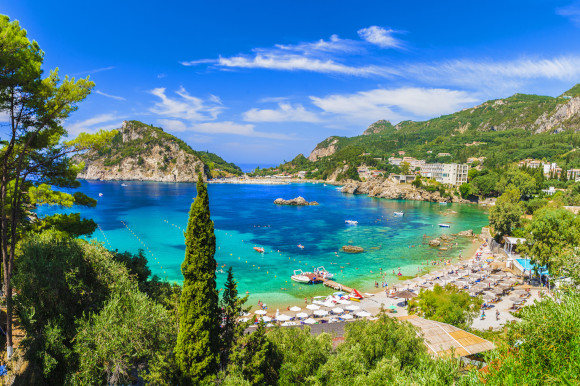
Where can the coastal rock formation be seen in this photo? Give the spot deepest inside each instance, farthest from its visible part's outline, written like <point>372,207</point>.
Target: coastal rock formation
<point>555,119</point>
<point>324,149</point>
<point>435,243</point>
<point>386,188</point>
<point>298,201</point>
<point>468,233</point>
<point>352,249</point>
<point>140,153</point>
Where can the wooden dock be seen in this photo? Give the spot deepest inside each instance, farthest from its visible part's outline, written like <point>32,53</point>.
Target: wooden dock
<point>337,286</point>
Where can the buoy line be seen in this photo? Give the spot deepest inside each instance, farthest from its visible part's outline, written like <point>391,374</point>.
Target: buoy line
<point>145,245</point>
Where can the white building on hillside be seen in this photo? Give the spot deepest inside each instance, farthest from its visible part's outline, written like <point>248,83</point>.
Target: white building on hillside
<point>453,174</point>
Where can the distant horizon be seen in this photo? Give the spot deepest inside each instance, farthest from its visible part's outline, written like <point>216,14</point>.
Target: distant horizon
<point>242,81</point>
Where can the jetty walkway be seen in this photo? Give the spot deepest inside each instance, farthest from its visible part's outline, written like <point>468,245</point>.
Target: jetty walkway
<point>336,286</point>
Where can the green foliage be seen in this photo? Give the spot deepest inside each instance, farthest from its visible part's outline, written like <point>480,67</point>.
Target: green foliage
<point>197,348</point>
<point>506,214</point>
<point>302,354</point>
<point>485,184</point>
<point>516,178</point>
<point>446,304</point>
<point>84,200</point>
<point>544,348</point>
<point>257,359</point>
<point>232,306</point>
<point>44,195</point>
<point>127,332</point>
<point>72,224</point>
<point>552,239</point>
<point>466,190</point>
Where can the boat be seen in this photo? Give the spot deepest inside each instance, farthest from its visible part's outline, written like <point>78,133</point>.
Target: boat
<point>100,194</point>
<point>259,249</point>
<point>442,202</point>
<point>399,213</point>
<point>351,222</point>
<point>124,185</point>
<point>300,246</point>
<point>305,277</point>
<point>444,225</point>
<point>323,273</point>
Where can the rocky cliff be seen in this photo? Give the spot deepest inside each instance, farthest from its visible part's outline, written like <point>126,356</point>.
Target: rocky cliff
<point>143,153</point>
<point>324,149</point>
<point>385,188</point>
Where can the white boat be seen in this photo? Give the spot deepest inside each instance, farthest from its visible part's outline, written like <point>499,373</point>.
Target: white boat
<point>444,225</point>
<point>305,277</point>
<point>399,213</point>
<point>124,185</point>
<point>351,222</point>
<point>443,203</point>
<point>100,194</point>
<point>320,271</point>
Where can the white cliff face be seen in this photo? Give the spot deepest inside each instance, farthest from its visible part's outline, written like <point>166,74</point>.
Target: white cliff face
<point>319,152</point>
<point>163,161</point>
<point>547,122</point>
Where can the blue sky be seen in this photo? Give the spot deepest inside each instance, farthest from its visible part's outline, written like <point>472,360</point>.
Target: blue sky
<point>261,81</point>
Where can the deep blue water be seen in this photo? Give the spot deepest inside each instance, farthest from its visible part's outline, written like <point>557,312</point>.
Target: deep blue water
<point>153,216</point>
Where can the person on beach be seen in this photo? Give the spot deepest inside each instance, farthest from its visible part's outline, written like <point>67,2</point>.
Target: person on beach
<point>305,300</point>
<point>497,315</point>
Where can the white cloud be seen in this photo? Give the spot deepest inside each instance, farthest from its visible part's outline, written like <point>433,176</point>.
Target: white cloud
<point>394,104</point>
<point>572,12</point>
<point>322,56</point>
<point>496,74</point>
<point>225,127</point>
<point>379,36</point>
<point>94,124</point>
<point>186,106</point>
<point>284,113</point>
<point>110,96</point>
<point>93,71</point>
<point>301,63</point>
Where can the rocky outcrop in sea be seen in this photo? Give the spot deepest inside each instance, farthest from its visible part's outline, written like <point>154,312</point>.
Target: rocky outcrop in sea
<point>385,188</point>
<point>298,201</point>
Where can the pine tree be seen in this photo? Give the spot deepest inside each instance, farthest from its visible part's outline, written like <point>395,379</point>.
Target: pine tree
<point>197,348</point>
<point>232,306</point>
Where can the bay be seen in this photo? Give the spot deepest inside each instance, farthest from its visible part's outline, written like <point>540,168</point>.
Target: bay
<point>153,216</point>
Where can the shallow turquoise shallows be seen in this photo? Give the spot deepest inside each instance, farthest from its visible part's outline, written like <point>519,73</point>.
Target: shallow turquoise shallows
<point>153,216</point>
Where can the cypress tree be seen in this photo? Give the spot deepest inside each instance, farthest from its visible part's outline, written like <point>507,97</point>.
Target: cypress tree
<point>197,349</point>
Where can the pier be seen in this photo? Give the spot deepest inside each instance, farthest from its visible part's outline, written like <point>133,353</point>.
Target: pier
<point>336,286</point>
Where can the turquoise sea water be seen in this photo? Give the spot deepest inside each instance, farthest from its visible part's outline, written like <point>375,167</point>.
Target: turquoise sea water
<point>152,216</point>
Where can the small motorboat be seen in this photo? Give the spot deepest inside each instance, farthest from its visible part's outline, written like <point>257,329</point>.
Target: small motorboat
<point>444,225</point>
<point>320,271</point>
<point>124,185</point>
<point>399,213</point>
<point>300,246</point>
<point>442,202</point>
<point>100,194</point>
<point>305,277</point>
<point>351,222</point>
<point>259,249</point>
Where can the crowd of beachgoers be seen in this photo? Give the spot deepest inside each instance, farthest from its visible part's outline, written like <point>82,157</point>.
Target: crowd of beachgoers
<point>484,275</point>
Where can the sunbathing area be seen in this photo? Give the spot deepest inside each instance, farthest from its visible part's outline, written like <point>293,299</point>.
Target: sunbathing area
<point>485,275</point>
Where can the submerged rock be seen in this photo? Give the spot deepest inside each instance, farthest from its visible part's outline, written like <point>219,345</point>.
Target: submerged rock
<point>468,232</point>
<point>352,249</point>
<point>298,201</point>
<point>435,243</point>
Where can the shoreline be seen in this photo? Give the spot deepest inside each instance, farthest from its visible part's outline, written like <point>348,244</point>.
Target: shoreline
<point>426,270</point>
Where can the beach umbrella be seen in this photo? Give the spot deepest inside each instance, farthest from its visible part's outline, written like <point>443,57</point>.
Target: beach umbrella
<point>497,292</point>
<point>404,294</point>
<point>287,324</point>
<point>310,321</point>
<point>337,310</point>
<point>418,280</point>
<point>488,297</point>
<point>243,320</point>
<point>328,304</point>
<point>313,307</point>
<point>520,292</point>
<point>347,316</point>
<point>344,301</point>
<point>320,312</point>
<point>266,318</point>
<point>363,314</point>
<point>283,318</point>
<point>516,300</point>
<point>302,315</point>
<point>352,307</point>
<point>295,309</point>
<point>260,312</point>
